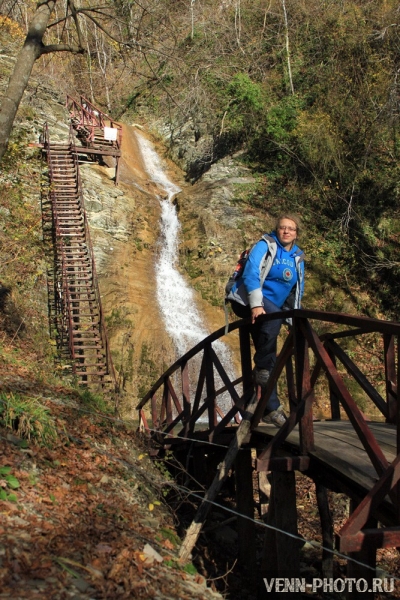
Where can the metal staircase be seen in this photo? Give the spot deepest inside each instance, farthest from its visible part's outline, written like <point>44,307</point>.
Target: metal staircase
<point>75,310</point>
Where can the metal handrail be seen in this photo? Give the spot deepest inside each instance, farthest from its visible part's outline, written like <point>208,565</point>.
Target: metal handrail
<point>61,270</point>
<point>86,116</point>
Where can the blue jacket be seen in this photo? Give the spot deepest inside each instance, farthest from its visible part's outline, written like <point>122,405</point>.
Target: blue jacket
<point>252,286</point>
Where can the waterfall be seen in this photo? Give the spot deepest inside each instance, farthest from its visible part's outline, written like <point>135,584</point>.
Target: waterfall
<point>182,319</point>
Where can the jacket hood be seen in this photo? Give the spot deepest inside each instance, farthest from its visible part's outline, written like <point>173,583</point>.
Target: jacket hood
<point>295,251</point>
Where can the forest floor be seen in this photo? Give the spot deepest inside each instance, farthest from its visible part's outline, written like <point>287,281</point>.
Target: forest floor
<point>84,515</point>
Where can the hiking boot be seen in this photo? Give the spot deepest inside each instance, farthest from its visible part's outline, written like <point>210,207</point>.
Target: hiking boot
<point>261,377</point>
<point>276,417</point>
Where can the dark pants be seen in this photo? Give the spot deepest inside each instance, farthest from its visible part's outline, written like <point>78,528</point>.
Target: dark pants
<point>265,336</point>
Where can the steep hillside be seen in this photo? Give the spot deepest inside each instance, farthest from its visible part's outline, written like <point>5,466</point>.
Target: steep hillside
<point>83,510</point>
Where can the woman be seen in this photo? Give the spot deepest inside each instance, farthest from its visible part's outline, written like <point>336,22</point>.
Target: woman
<point>272,280</point>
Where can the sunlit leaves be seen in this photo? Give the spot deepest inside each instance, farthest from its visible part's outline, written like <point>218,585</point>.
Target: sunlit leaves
<point>320,142</point>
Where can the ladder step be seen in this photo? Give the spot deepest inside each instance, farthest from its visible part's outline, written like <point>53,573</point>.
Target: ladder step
<point>89,301</point>
<point>99,365</point>
<point>90,296</point>
<point>97,374</point>
<point>97,348</point>
<point>66,221</point>
<point>72,211</point>
<point>84,334</point>
<point>71,228</point>
<point>71,235</point>
<point>66,200</point>
<point>87,345</point>
<point>64,173</point>
<point>77,298</point>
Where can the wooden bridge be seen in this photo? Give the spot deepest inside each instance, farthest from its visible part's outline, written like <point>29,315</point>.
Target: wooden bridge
<point>347,453</point>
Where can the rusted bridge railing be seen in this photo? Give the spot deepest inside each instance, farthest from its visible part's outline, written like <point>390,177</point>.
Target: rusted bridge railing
<point>176,408</point>
<point>99,133</point>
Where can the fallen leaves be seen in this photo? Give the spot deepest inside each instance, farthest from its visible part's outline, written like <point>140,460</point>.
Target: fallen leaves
<point>82,521</point>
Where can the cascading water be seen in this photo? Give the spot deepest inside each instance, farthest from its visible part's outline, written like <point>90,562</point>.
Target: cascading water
<point>182,319</point>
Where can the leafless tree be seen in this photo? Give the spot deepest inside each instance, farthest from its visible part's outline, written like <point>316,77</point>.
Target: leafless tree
<point>65,34</point>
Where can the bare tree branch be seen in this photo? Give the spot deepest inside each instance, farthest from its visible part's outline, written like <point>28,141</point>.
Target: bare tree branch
<point>74,14</point>
<point>62,48</point>
<point>288,47</point>
<point>377,264</point>
<point>103,29</point>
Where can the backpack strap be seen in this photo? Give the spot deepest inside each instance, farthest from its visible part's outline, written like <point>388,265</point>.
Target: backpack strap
<point>263,273</point>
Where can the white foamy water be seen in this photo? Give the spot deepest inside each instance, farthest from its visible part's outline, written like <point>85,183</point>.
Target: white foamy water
<point>181,317</point>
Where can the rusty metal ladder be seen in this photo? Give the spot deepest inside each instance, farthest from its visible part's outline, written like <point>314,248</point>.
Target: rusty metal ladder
<point>74,299</point>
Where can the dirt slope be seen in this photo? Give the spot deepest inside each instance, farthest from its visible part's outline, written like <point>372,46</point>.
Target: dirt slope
<point>84,517</point>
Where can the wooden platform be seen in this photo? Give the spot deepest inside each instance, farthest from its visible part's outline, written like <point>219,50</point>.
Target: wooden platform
<point>339,459</point>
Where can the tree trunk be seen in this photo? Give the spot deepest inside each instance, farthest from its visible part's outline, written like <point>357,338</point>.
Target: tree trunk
<point>289,65</point>
<point>30,52</point>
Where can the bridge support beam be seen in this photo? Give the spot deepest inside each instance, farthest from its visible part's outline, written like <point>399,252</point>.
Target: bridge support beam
<point>281,552</point>
<point>264,493</point>
<point>356,571</point>
<point>366,570</point>
<point>325,516</point>
<point>245,505</point>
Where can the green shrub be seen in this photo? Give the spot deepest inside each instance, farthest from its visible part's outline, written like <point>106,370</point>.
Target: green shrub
<point>94,401</point>
<point>27,417</point>
<point>10,481</point>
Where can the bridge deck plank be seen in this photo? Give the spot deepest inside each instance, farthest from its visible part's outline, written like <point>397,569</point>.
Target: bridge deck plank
<point>338,447</point>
